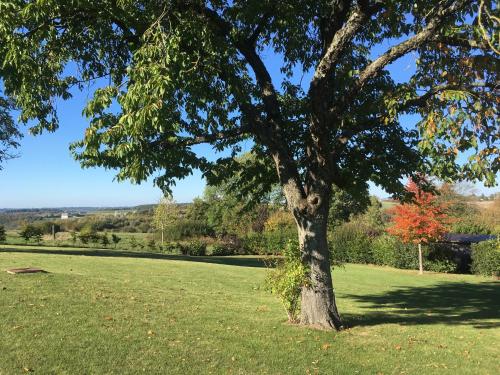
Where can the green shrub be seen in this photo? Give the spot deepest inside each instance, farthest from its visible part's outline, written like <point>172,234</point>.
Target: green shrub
<point>286,279</point>
<point>88,234</point>
<point>467,226</point>
<point>152,244</point>
<point>277,240</point>
<point>383,250</point>
<point>30,231</point>
<point>440,258</point>
<point>3,235</point>
<point>390,251</point>
<point>170,248</point>
<point>184,228</point>
<point>350,243</point>
<point>133,243</point>
<point>105,240</point>
<point>194,248</point>
<point>255,243</point>
<point>221,249</point>
<point>486,258</point>
<point>114,238</point>
<point>406,256</point>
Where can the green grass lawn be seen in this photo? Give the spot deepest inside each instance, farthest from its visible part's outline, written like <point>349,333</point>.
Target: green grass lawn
<point>122,314</point>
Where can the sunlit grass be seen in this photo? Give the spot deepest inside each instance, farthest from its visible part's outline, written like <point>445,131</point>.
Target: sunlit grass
<point>96,315</point>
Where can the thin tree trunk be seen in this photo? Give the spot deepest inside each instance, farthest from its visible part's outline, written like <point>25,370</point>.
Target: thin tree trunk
<point>318,307</point>
<point>162,236</point>
<point>420,260</point>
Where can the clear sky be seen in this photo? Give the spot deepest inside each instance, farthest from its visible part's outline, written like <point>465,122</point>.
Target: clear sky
<point>45,174</point>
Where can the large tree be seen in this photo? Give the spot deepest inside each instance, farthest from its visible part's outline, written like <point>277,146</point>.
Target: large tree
<point>177,73</point>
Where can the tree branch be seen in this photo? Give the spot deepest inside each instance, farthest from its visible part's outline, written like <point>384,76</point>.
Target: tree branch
<point>331,23</point>
<point>218,136</point>
<point>252,39</point>
<point>269,94</point>
<point>419,101</point>
<point>461,42</point>
<point>401,49</point>
<point>422,99</point>
<point>342,38</point>
<point>270,132</point>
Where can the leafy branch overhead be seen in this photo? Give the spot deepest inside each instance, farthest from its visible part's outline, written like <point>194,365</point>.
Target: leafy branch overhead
<point>9,134</point>
<point>181,73</point>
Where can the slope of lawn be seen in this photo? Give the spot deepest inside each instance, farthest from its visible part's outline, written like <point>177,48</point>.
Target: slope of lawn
<point>119,314</point>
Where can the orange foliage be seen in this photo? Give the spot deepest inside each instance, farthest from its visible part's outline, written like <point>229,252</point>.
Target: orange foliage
<point>421,221</point>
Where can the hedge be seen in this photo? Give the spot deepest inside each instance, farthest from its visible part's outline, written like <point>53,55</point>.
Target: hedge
<point>486,258</point>
<point>349,243</point>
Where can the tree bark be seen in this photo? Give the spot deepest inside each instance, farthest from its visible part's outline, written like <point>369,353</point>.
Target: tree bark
<point>420,260</point>
<point>318,307</point>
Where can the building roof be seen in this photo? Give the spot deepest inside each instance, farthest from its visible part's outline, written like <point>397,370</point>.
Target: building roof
<point>467,238</point>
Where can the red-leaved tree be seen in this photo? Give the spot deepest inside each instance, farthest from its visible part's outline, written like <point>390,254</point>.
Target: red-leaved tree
<point>421,221</point>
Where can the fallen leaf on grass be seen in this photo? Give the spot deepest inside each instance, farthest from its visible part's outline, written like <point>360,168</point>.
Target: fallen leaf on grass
<point>108,318</point>
<point>397,347</point>
<point>325,346</point>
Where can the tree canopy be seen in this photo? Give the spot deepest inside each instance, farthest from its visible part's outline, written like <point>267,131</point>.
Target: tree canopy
<point>181,73</point>
<point>421,221</point>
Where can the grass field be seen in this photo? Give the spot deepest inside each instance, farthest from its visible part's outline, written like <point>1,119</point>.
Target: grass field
<point>64,239</point>
<point>116,313</point>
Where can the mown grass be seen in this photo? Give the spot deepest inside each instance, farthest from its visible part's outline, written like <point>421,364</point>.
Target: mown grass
<point>124,314</point>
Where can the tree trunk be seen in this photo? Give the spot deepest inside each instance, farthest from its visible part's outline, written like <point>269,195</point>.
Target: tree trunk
<point>420,260</point>
<point>318,307</point>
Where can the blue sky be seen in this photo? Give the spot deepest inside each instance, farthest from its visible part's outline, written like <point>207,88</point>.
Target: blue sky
<point>45,174</point>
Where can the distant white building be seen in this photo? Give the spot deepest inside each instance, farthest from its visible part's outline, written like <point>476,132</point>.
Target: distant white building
<point>64,216</point>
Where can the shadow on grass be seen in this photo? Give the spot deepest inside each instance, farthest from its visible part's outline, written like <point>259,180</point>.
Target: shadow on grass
<point>451,303</point>
<point>242,261</point>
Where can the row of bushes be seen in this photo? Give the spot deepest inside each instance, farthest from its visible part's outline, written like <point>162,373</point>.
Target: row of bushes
<point>267,243</point>
<point>198,248</point>
<point>351,243</point>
